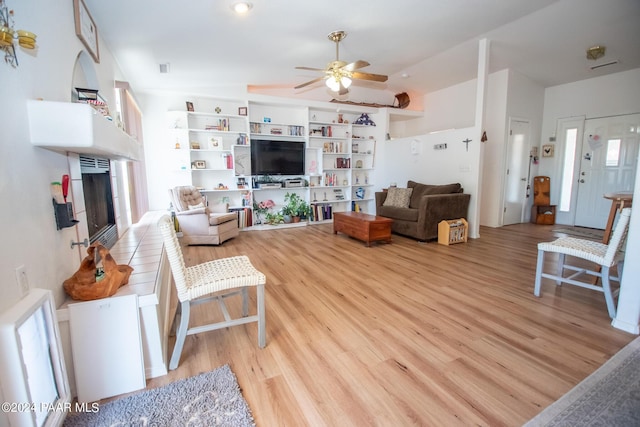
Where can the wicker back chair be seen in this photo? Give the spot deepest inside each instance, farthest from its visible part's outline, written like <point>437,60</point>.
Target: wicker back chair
<point>212,280</point>
<point>606,256</point>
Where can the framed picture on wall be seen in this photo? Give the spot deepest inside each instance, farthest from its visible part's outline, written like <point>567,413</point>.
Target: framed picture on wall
<point>547,150</point>
<point>86,29</point>
<point>242,111</point>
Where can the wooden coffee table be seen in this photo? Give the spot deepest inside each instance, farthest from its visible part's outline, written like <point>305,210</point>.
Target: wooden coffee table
<point>361,226</point>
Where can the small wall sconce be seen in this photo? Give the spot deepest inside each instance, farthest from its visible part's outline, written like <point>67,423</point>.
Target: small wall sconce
<point>8,36</point>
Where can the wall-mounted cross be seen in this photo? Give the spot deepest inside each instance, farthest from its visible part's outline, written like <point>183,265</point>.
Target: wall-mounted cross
<point>467,141</point>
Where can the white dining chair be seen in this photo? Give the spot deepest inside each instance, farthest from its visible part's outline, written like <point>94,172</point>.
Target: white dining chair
<point>212,280</point>
<point>605,256</point>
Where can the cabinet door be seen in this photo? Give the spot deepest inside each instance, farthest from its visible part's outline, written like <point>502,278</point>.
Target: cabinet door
<point>107,347</point>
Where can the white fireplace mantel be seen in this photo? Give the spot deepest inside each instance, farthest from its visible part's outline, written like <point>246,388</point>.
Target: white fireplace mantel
<point>78,128</point>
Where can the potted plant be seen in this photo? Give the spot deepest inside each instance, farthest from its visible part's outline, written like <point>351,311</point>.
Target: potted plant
<point>294,206</point>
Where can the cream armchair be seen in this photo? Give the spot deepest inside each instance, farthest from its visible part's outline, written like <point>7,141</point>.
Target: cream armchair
<point>200,224</point>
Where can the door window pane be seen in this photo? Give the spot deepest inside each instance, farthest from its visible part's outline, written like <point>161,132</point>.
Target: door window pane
<point>613,152</point>
<point>570,139</point>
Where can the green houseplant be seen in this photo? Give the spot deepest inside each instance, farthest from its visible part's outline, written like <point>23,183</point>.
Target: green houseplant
<point>295,206</point>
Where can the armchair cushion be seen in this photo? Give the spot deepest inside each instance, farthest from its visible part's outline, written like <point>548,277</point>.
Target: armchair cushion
<point>219,218</point>
<point>193,207</point>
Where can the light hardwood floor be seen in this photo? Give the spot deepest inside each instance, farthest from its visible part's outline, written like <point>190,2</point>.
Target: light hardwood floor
<point>406,333</point>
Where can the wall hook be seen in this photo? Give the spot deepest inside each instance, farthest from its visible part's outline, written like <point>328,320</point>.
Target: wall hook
<point>84,243</point>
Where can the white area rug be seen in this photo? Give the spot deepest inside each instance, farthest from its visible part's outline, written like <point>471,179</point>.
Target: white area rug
<point>210,399</point>
<point>609,397</point>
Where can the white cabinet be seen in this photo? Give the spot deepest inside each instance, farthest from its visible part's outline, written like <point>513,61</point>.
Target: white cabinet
<point>107,347</point>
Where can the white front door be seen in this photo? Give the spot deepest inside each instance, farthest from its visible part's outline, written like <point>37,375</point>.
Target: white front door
<point>608,165</point>
<point>515,191</point>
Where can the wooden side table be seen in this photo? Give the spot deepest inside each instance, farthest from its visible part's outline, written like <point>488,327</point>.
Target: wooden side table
<point>618,202</point>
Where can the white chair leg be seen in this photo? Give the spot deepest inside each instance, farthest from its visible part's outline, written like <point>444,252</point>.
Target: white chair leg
<point>181,335</point>
<point>536,288</point>
<point>560,268</point>
<point>245,301</point>
<point>262,335</point>
<point>606,287</point>
<point>172,331</point>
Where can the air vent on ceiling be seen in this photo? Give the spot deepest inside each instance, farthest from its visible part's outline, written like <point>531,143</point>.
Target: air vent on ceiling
<point>93,165</point>
<point>606,64</point>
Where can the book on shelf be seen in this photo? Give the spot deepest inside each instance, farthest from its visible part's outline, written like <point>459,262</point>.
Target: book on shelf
<point>245,216</point>
<point>321,211</point>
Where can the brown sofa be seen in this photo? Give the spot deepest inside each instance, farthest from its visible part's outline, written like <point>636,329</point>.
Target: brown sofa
<point>428,205</point>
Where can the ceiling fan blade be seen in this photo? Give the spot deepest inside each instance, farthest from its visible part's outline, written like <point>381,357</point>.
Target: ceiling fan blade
<point>369,76</point>
<point>309,82</point>
<point>310,69</point>
<point>356,65</point>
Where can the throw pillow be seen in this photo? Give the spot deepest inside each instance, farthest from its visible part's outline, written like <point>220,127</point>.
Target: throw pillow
<point>198,206</point>
<point>398,197</point>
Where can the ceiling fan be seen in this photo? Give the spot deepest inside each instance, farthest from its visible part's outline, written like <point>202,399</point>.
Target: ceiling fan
<point>338,74</point>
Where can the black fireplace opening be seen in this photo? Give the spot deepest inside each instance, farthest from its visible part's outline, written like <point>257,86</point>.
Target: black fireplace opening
<point>98,200</point>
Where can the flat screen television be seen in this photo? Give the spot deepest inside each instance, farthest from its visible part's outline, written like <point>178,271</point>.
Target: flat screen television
<point>277,157</point>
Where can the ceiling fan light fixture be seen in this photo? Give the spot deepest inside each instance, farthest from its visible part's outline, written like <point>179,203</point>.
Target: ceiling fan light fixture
<point>333,84</point>
<point>346,81</point>
<point>241,7</point>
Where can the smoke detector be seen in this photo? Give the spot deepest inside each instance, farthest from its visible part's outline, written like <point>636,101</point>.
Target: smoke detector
<point>595,52</point>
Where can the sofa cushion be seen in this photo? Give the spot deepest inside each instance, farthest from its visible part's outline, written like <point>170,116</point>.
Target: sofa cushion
<point>420,190</point>
<point>398,197</point>
<point>402,214</point>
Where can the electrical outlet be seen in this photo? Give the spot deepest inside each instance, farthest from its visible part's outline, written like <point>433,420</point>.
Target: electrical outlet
<point>23,282</point>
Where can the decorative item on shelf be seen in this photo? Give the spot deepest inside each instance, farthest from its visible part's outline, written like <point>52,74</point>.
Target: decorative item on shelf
<point>360,193</point>
<point>87,94</point>
<point>189,106</point>
<point>262,208</point>
<point>364,120</point>
<point>402,100</point>
<point>242,139</point>
<point>359,164</point>
<point>194,145</point>
<point>26,39</point>
<point>199,164</point>
<point>221,186</point>
<point>242,111</point>
<point>241,183</point>
<point>215,144</point>
<point>177,144</point>
<point>86,29</point>
<point>90,282</point>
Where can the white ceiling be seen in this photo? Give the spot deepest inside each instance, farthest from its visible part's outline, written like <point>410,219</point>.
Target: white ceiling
<point>435,42</point>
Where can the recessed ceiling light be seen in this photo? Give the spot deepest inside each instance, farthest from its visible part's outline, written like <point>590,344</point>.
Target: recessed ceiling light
<point>405,75</point>
<point>241,7</point>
